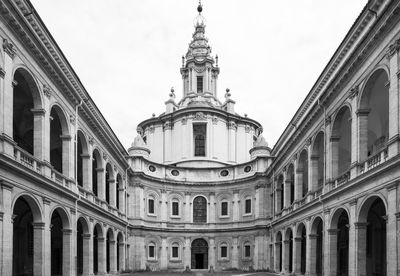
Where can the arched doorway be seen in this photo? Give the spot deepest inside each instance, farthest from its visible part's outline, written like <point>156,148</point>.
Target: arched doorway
<point>303,171</point>
<point>343,245</point>
<point>56,244</point>
<point>200,210</point>
<point>199,254</point>
<point>301,249</point>
<point>120,252</point>
<point>289,250</point>
<point>317,162</point>
<point>316,240</point>
<point>23,246</point>
<point>98,250</point>
<point>279,250</point>
<point>372,234</point>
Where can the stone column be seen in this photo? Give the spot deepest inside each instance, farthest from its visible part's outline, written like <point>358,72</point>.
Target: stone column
<point>187,207</point>
<point>212,208</point>
<point>313,185</point>
<point>362,115</point>
<point>101,255</point>
<point>91,248</point>
<point>168,142</point>
<point>7,105</point>
<point>164,254</point>
<point>38,133</point>
<point>211,254</point>
<point>67,258</point>
<point>86,172</point>
<point>312,254</point>
<point>113,194</point>
<point>113,257</point>
<point>67,161</point>
<point>46,237</point>
<point>235,253</point>
<point>38,254</point>
<point>121,261</point>
<point>164,206</point>
<point>299,183</point>
<point>391,230</point>
<point>334,145</point>
<point>235,206</point>
<point>187,254</point>
<point>331,269</point>
<point>101,184</point>
<point>7,223</point>
<point>286,195</point>
<point>121,195</point>
<point>359,256</point>
<point>297,255</point>
<point>393,57</point>
<point>232,127</point>
<point>285,255</point>
<point>87,253</point>
<point>328,152</point>
<point>354,230</point>
<point>257,207</point>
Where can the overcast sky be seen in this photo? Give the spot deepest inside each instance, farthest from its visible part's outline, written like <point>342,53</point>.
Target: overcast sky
<point>127,53</point>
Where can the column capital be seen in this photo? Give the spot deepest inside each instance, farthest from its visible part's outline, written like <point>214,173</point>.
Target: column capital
<point>46,201</point>
<point>312,236</point>
<point>5,185</point>
<point>360,225</point>
<point>86,236</point>
<point>38,225</point>
<point>333,231</point>
<point>38,111</point>
<point>66,231</point>
<point>66,137</point>
<point>362,112</point>
<point>397,215</point>
<point>298,239</point>
<point>392,186</point>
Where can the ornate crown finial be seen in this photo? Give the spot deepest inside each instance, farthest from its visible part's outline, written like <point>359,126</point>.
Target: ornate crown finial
<point>199,7</point>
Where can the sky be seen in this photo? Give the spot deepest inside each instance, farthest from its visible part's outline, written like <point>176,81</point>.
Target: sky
<point>127,53</point>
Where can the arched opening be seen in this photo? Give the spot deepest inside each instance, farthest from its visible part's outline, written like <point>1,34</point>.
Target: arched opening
<point>109,250</point>
<point>109,183</point>
<point>82,156</point>
<point>23,245</point>
<point>199,210</point>
<point>374,115</point>
<point>317,162</point>
<point>301,248</point>
<point>98,243</point>
<point>56,244</point>
<point>289,239</point>
<point>342,259</point>
<point>26,105</point>
<point>79,247</point>
<point>290,180</point>
<point>316,240</point>
<point>279,194</point>
<point>303,171</point>
<point>341,142</point>
<point>372,234</point>
<point>279,250</point>
<point>59,140</point>
<point>96,170</point>
<point>118,191</point>
<point>199,254</point>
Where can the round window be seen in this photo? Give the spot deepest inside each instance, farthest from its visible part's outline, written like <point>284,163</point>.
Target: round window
<point>175,172</point>
<point>224,173</point>
<point>152,168</point>
<point>247,169</point>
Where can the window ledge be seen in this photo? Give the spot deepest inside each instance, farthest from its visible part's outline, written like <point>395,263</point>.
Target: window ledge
<point>247,215</point>
<point>224,217</point>
<point>151,215</point>
<point>175,217</point>
<point>175,261</point>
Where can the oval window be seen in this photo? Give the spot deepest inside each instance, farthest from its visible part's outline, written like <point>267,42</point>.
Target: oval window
<point>247,169</point>
<point>175,172</point>
<point>152,168</point>
<point>224,173</point>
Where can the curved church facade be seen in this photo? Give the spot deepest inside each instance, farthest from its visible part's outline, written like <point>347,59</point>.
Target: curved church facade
<point>199,188</point>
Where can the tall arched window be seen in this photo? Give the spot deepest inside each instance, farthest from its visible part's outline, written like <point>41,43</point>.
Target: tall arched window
<point>200,210</point>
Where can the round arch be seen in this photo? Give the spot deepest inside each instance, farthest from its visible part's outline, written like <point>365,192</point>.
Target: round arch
<point>33,204</point>
<point>63,213</point>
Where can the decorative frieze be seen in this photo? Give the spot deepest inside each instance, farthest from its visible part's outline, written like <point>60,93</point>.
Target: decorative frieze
<point>215,120</point>
<point>184,120</point>
<point>232,125</point>
<point>353,92</point>
<point>392,49</point>
<point>139,130</point>
<point>167,125</point>
<point>199,116</point>
<point>2,73</point>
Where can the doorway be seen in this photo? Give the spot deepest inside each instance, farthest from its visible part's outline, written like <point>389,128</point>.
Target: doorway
<point>199,254</point>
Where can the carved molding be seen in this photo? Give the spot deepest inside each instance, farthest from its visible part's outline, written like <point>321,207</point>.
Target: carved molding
<point>9,48</point>
<point>47,91</point>
<point>200,116</point>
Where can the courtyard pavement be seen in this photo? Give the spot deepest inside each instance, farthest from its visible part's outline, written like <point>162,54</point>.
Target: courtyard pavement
<point>225,273</point>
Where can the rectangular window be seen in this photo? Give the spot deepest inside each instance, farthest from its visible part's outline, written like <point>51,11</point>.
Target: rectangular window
<point>247,209</point>
<point>175,252</point>
<point>151,251</point>
<point>224,252</point>
<point>247,251</point>
<point>199,84</point>
<point>175,208</point>
<point>199,136</point>
<point>224,208</point>
<point>151,206</point>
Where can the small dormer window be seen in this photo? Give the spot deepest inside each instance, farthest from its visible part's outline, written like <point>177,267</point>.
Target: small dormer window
<point>199,84</point>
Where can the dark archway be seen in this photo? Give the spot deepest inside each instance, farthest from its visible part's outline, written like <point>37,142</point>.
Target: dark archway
<point>319,262</point>
<point>199,210</point>
<point>290,179</point>
<point>341,142</point>
<point>97,240</point>
<point>374,108</point>
<point>343,245</point>
<point>279,250</point>
<point>120,249</point>
<point>56,244</point>
<point>303,248</point>
<point>280,194</point>
<point>109,244</point>
<point>199,254</point>
<point>58,140</point>
<point>25,98</point>
<point>79,247</point>
<point>303,170</point>
<point>318,162</point>
<point>96,169</point>
<point>23,246</point>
